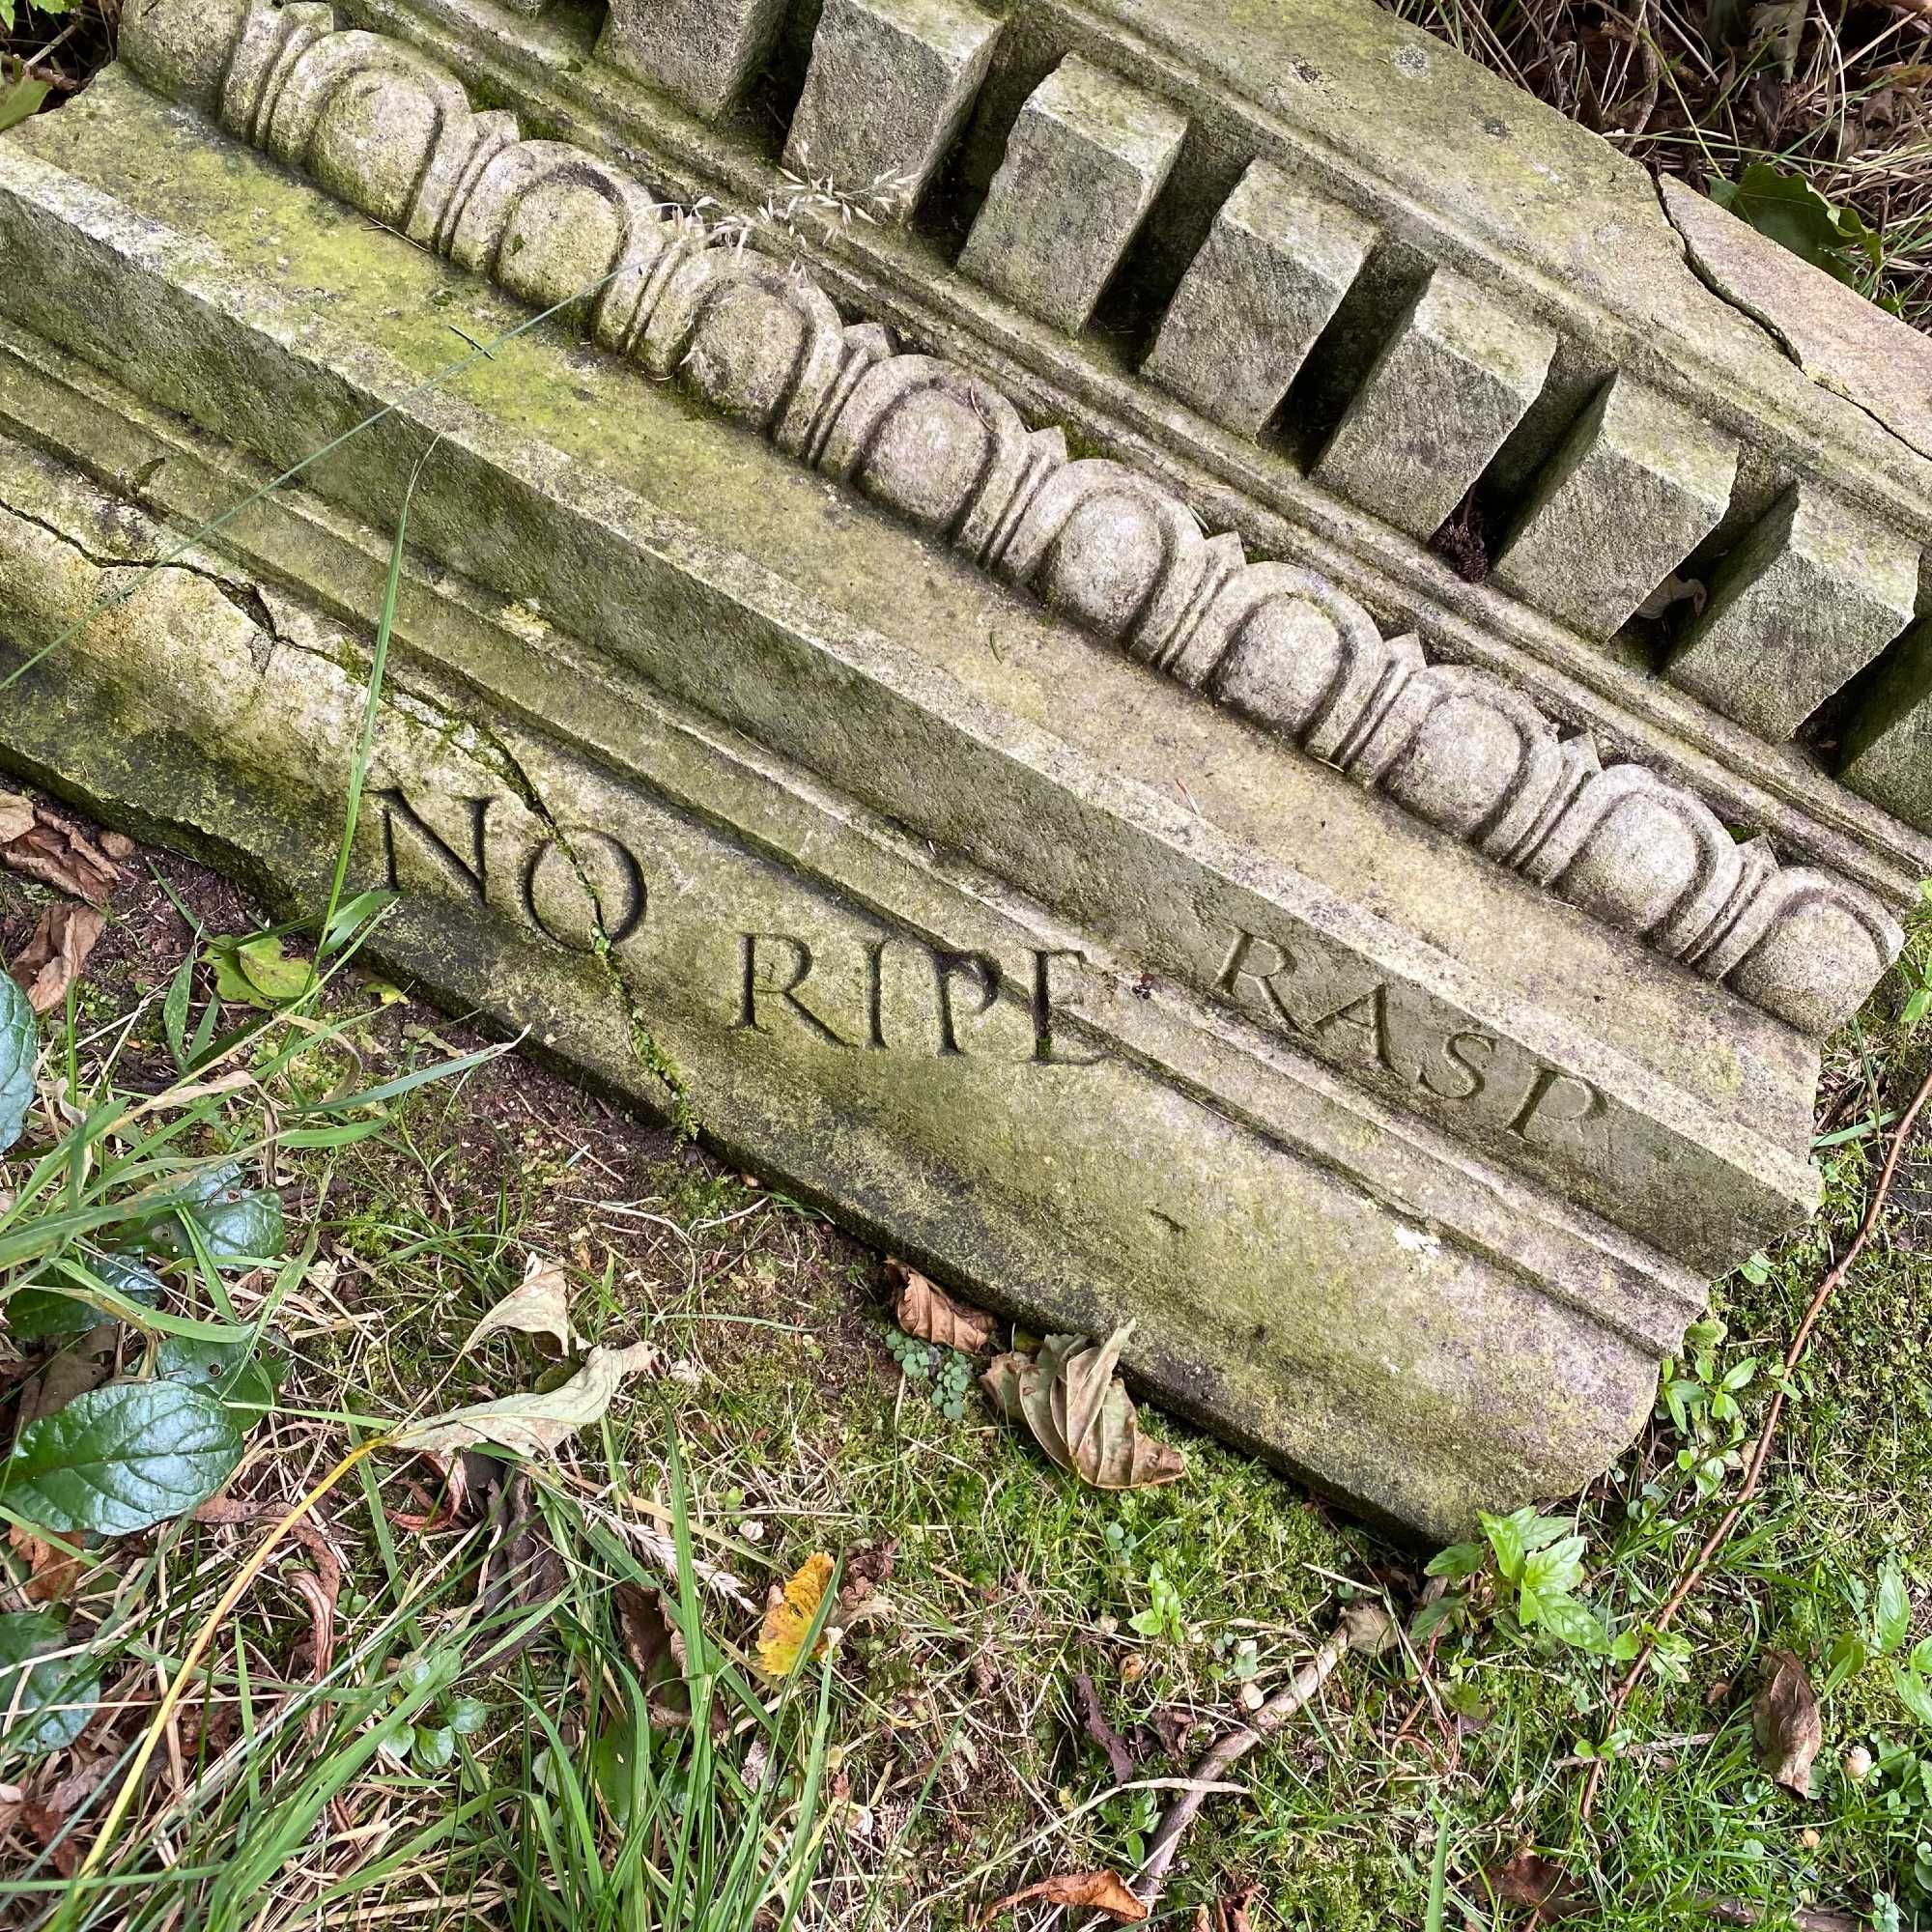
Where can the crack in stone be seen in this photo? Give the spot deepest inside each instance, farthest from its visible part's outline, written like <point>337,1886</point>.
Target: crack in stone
<point>642,1041</point>
<point>246,597</point>
<point>1739,306</point>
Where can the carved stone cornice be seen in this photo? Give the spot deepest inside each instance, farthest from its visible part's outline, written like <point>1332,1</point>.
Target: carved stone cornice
<point>381,125</point>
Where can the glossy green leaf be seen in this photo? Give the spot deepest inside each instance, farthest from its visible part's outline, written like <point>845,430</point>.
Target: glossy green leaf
<point>121,1457</point>
<point>237,1373</point>
<point>33,1314</point>
<point>1459,1560</point>
<point>18,1044</point>
<point>1573,1622</point>
<point>1914,1693</point>
<point>1557,1569</point>
<point>52,1708</point>
<point>241,1226</point>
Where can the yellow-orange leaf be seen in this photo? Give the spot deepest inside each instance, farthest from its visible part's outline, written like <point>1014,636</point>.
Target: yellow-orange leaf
<point>782,1640</point>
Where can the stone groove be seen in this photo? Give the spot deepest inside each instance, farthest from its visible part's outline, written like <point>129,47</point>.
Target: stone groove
<point>384,129</point>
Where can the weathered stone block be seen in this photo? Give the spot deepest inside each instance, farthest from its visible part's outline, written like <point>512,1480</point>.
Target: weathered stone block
<point>1272,272</point>
<point>889,87</point>
<point>1638,484</point>
<point>703,53</point>
<point>1887,752</point>
<point>1084,162</point>
<point>1806,601</point>
<point>1112,911</point>
<point>1457,373</point>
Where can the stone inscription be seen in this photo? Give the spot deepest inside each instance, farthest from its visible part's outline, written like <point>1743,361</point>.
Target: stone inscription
<point>586,890</point>
<point>1369,1024</point>
<point>965,988</point>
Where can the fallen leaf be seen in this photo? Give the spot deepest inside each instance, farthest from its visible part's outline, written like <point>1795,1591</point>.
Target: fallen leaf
<point>51,1813</point>
<point>16,816</point>
<point>538,1305</point>
<point>1003,1382</point>
<point>521,1570</point>
<point>1229,1914</point>
<point>58,855</point>
<point>50,961</point>
<point>860,1584</point>
<point>1786,1719</point>
<point>530,1424</point>
<point>1080,1413</point>
<point>788,1620</point>
<point>51,1573</point>
<point>1539,1885</point>
<point>934,1316</point>
<point>1175,1728</point>
<point>1119,1756</point>
<point>1092,1891</point>
<point>256,970</point>
<point>656,1648</point>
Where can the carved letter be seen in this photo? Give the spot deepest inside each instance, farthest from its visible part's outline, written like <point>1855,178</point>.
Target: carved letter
<point>471,874</point>
<point>751,985</point>
<point>1454,1050</point>
<point>1367,1013</point>
<point>944,966</point>
<point>1537,1111</point>
<point>1237,969</point>
<point>600,924</point>
<point>1043,1053</point>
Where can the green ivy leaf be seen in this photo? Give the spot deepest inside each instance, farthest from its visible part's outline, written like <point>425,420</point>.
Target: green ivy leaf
<point>118,1458</point>
<point>51,1707</point>
<point>234,1373</point>
<point>20,1041</point>
<point>33,1314</point>
<point>1792,212</point>
<point>1894,1607</point>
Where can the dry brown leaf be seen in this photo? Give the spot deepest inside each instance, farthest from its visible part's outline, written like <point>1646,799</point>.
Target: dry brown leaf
<point>1229,1914</point>
<point>57,854</point>
<point>656,1648</point>
<point>534,1424</point>
<point>1092,1891</point>
<point>51,1573</point>
<point>1080,1413</point>
<point>934,1316</point>
<point>16,816</point>
<point>788,1620</point>
<point>538,1305</point>
<point>1785,1718</point>
<point>1540,1884</point>
<point>1120,1758</point>
<point>50,961</point>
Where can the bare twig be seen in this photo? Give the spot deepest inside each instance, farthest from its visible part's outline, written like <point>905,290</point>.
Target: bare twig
<point>1695,1571</point>
<point>1363,1626</point>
